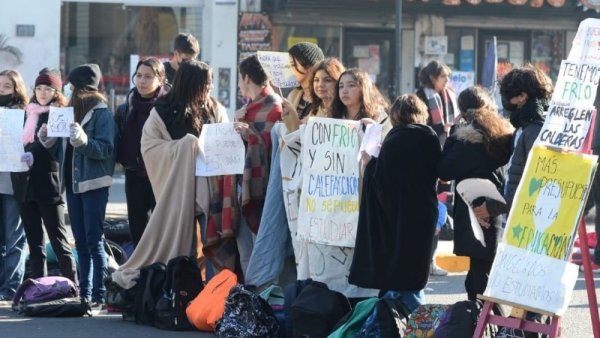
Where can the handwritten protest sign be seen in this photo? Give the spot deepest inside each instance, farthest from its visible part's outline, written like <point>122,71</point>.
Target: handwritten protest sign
<point>534,280</point>
<point>222,151</point>
<point>566,126</point>
<point>59,121</point>
<point>11,143</point>
<point>371,142</point>
<point>549,201</point>
<point>329,201</point>
<point>586,44</point>
<point>277,65</point>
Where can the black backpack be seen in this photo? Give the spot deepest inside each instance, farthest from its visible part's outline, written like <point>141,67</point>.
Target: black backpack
<point>148,291</point>
<point>317,310</point>
<point>63,307</point>
<point>247,315</point>
<point>387,320</point>
<point>183,283</point>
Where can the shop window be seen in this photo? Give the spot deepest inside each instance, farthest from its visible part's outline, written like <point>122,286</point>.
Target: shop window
<point>547,51</point>
<point>328,38</point>
<point>109,34</point>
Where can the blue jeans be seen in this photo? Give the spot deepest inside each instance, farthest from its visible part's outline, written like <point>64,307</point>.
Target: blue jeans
<point>412,299</point>
<point>273,238</point>
<point>86,212</point>
<point>14,253</point>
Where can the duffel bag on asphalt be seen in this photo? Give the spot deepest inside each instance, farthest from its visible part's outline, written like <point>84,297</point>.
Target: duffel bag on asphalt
<point>64,307</point>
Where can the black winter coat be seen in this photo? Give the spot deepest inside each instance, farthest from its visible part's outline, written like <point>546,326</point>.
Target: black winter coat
<point>464,156</point>
<point>42,182</point>
<point>398,212</point>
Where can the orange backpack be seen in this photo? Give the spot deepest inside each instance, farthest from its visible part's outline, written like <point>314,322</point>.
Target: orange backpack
<point>207,308</point>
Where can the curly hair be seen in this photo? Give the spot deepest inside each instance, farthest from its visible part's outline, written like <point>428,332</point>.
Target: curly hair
<point>527,79</point>
<point>372,102</point>
<point>478,109</point>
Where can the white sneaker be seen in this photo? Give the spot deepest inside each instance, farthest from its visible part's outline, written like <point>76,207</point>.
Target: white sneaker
<point>437,271</point>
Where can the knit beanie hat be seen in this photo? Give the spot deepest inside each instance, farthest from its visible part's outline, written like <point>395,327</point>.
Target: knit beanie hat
<point>86,76</point>
<point>307,54</point>
<point>49,77</point>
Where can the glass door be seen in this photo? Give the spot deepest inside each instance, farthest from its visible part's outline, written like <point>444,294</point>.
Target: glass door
<point>373,51</point>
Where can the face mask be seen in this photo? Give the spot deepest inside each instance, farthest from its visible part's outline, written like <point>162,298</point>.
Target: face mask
<point>511,107</point>
<point>5,100</point>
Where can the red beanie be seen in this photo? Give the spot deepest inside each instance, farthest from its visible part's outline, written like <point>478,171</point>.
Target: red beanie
<point>49,77</point>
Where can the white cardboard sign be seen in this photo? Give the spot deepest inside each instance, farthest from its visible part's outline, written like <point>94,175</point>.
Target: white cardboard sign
<point>222,151</point>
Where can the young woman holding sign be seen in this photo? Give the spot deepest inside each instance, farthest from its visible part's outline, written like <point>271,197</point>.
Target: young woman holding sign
<point>13,95</point>
<point>478,149</point>
<point>38,190</point>
<point>87,158</point>
<point>323,78</point>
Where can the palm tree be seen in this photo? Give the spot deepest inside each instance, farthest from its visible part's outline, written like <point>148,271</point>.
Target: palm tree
<point>11,50</point>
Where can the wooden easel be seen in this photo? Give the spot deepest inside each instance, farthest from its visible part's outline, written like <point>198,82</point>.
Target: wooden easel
<point>589,278</point>
<point>517,319</point>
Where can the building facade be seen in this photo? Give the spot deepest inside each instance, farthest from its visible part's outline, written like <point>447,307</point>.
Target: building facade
<point>115,34</point>
<point>362,33</point>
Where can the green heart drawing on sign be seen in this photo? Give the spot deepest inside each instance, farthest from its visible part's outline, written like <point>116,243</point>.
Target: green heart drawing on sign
<point>534,185</point>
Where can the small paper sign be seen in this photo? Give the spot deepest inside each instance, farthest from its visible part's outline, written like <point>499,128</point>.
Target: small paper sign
<point>222,151</point>
<point>277,65</point>
<point>371,142</point>
<point>59,121</point>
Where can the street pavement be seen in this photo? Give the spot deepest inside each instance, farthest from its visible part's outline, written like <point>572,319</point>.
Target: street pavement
<point>440,290</point>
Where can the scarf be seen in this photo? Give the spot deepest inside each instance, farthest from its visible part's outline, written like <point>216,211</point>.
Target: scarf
<point>34,111</point>
<point>261,114</point>
<point>531,111</point>
<point>6,100</point>
<point>441,108</point>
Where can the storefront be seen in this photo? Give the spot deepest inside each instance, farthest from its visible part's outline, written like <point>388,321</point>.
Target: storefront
<point>362,33</point>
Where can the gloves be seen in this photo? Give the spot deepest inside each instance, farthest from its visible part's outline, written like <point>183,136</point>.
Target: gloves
<point>78,137</point>
<point>27,158</point>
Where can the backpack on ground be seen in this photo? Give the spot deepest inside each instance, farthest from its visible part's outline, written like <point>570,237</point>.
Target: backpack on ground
<point>317,310</point>
<point>274,296</point>
<point>351,325</point>
<point>148,292</point>
<point>460,320</point>
<point>183,284</point>
<point>207,308</point>
<point>424,320</point>
<point>119,299</point>
<point>247,315</point>
<point>116,230</point>
<point>290,293</point>
<point>387,320</point>
<point>44,289</point>
<point>64,307</point>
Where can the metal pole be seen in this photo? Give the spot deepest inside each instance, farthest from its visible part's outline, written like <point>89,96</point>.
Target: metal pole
<point>398,77</point>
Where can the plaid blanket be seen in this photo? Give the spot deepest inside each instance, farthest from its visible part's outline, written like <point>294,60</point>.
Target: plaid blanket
<point>261,114</point>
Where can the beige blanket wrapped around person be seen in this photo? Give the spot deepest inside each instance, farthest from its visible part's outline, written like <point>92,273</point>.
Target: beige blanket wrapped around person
<point>180,195</point>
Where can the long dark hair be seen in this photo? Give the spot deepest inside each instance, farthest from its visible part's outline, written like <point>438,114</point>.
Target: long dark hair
<point>190,92</point>
<point>20,98</point>
<point>83,100</point>
<point>372,102</point>
<point>478,109</point>
<point>433,69</point>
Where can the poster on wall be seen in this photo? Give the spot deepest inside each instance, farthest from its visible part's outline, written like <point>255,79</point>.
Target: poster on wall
<point>460,81</point>
<point>254,34</point>
<point>329,203</point>
<point>224,87</point>
<point>436,45</point>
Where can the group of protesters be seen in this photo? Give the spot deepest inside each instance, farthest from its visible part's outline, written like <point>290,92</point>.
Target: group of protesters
<point>248,223</point>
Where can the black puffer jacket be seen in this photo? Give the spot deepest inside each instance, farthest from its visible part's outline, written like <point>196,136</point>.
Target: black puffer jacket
<point>464,156</point>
